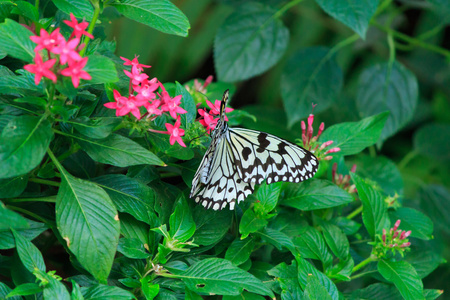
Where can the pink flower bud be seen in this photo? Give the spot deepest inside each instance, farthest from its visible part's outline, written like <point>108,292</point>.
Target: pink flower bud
<point>333,150</point>
<point>208,80</point>
<point>326,144</point>
<point>303,127</point>
<point>333,172</point>
<point>395,234</point>
<point>321,128</point>
<point>310,120</point>
<point>383,237</point>
<point>353,169</point>
<point>405,245</point>
<point>329,157</point>
<point>397,224</point>
<point>405,234</point>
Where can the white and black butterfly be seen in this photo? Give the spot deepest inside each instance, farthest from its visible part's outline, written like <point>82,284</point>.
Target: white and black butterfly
<point>238,158</point>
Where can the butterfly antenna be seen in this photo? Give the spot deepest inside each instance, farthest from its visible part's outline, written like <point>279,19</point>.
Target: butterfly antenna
<point>223,104</point>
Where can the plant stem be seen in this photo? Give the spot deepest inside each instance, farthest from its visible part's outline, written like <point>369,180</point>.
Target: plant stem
<point>411,40</point>
<point>355,213</point>
<point>29,213</point>
<point>408,157</point>
<point>285,8</point>
<point>91,26</point>
<point>50,199</point>
<point>365,262</point>
<point>43,181</point>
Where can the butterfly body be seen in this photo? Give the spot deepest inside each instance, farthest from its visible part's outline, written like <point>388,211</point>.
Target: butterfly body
<point>239,158</point>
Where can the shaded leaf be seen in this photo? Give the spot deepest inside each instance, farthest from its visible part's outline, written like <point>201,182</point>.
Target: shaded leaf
<point>16,40</point>
<point>80,8</point>
<point>432,139</point>
<point>420,225</point>
<point>404,276</point>
<point>28,253</point>
<point>239,251</point>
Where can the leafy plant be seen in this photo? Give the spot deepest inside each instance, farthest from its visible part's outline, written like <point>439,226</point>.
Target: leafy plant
<point>97,158</point>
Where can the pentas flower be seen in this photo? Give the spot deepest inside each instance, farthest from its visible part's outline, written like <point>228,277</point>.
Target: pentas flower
<point>78,28</point>
<point>215,108</point>
<point>343,181</point>
<point>311,143</point>
<point>152,108</point>
<point>175,132</point>
<point>136,76</point>
<point>201,88</point>
<point>47,40</point>
<point>67,50</point>
<point>41,69</point>
<point>171,105</point>
<point>207,120</point>
<point>134,63</point>
<point>146,90</point>
<point>394,241</point>
<point>75,71</point>
<point>125,105</point>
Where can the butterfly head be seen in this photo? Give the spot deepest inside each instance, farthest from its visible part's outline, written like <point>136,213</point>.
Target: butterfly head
<point>223,104</point>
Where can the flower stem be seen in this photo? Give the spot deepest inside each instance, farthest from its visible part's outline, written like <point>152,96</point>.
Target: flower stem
<point>91,26</point>
<point>365,262</point>
<point>355,213</point>
<point>43,181</point>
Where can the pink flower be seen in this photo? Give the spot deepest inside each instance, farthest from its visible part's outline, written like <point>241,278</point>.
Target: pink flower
<point>171,104</point>
<point>66,51</point>
<point>78,28</point>
<point>147,89</point>
<point>175,132</point>
<point>136,76</point>
<point>41,69</point>
<point>215,108</point>
<point>119,104</point>
<point>135,63</point>
<point>152,107</point>
<point>46,40</point>
<point>397,224</point>
<point>208,120</point>
<point>75,71</point>
<point>343,181</point>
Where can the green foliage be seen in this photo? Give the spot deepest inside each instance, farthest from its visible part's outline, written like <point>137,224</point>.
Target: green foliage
<point>102,196</point>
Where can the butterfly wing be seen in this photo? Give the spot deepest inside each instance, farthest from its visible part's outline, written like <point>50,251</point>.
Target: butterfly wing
<point>258,156</point>
<point>217,181</point>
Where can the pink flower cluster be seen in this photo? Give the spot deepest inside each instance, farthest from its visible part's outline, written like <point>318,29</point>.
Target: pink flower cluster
<point>393,241</point>
<point>310,142</point>
<point>143,92</point>
<point>343,181</point>
<point>61,50</point>
<point>209,119</point>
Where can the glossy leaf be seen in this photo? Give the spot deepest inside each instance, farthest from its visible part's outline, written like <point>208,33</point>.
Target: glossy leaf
<point>250,222</point>
<point>27,10</point>
<point>310,76</point>
<point>211,225</point>
<point>95,128</point>
<point>101,69</point>
<point>221,277</point>
<point>159,14</point>
<point>314,290</point>
<point>22,85</point>
<point>249,42</point>
<point>29,254</point>
<point>355,14</point>
<point>287,277</point>
<point>23,290</point>
<point>16,40</point>
<point>182,225</point>
<point>80,8</point>
<point>305,269</point>
<point>311,244</point>
<point>239,251</point>
<point>336,240</point>
<point>187,102</point>
<point>10,219</point>
<point>88,221</point>
<point>420,225</point>
<point>267,196</point>
<point>405,278</point>
<point>353,137</point>
<point>54,289</point>
<point>23,144</point>
<point>132,248</point>
<point>315,194</point>
<point>118,151</point>
<point>106,292</point>
<point>376,291</point>
<point>384,88</point>
<point>32,230</point>
<point>276,238</point>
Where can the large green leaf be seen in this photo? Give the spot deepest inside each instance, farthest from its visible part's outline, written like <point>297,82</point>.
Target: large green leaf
<point>374,212</point>
<point>311,244</point>
<point>356,14</point>
<point>376,291</point>
<point>22,85</point>
<point>30,231</point>
<point>29,254</point>
<point>13,187</point>
<point>305,269</point>
<point>132,248</point>
<point>23,143</point>
<point>159,14</point>
<point>88,221</point>
<point>315,194</point>
<point>187,102</point>
<point>119,151</point>
<point>11,219</point>
<point>314,289</point>
<point>404,276</point>
<point>250,222</point>
<point>287,277</point>
<point>276,238</point>
<point>336,240</point>
<point>80,8</point>
<point>212,225</point>
<point>267,196</point>
<point>310,76</point>
<point>435,202</point>
<point>221,277</point>
<point>182,225</point>
<point>249,42</point>
<point>54,289</point>
<point>353,137</point>
<point>239,251</point>
<point>16,40</point>
<point>385,88</point>
<point>95,128</point>
<point>420,225</point>
<point>129,195</point>
<point>101,69</point>
<point>106,292</point>
<point>432,140</point>
<point>27,10</point>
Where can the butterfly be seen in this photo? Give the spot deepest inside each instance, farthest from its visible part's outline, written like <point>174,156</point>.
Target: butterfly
<point>239,158</point>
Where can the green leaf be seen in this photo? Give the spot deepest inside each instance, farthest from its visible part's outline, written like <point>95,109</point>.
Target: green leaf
<point>24,290</point>
<point>76,292</point>
<point>118,151</point>
<point>276,238</point>
<point>374,212</point>
<point>388,88</point>
<point>32,230</point>
<point>212,225</point>
<point>95,128</point>
<point>355,14</point>
<point>27,10</point>
<point>312,245</point>
<point>424,261</point>
<point>22,85</point>
<point>88,221</point>
<point>267,196</point>
<point>101,69</point>
<point>221,277</point>
<point>287,277</point>
<point>159,14</point>
<point>187,102</point>
<point>38,101</point>
<point>353,137</point>
<point>11,219</point>
<point>432,139</point>
<point>106,292</point>
<point>150,290</point>
<point>420,225</point>
<point>435,200</point>
<point>376,291</point>
<point>132,228</point>
<point>244,296</point>
<point>336,240</point>
<point>129,195</point>
<point>29,254</point>
<point>182,226</point>
<point>305,269</point>
<point>249,42</point>
<point>132,248</point>
<point>239,251</point>
<point>54,289</point>
<point>80,8</point>
<point>23,144</point>
<point>404,276</point>
<point>315,194</point>
<point>16,40</point>
<point>432,294</point>
<point>250,223</point>
<point>314,290</point>
<point>310,76</point>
